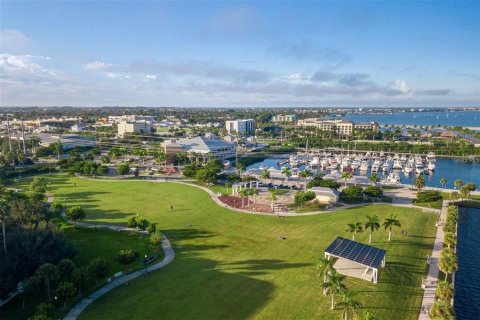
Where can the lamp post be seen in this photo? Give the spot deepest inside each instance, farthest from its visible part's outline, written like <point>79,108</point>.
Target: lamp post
<point>146,264</point>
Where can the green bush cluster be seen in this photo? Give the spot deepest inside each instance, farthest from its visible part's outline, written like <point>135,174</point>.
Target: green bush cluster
<point>127,256</point>
<point>318,181</point>
<point>429,196</point>
<point>138,223</point>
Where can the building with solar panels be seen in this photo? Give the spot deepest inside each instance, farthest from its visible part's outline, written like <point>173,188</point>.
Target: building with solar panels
<point>356,259</point>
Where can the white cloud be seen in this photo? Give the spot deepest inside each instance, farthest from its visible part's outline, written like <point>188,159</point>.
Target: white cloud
<point>151,77</point>
<point>401,86</point>
<point>97,65</point>
<point>14,41</point>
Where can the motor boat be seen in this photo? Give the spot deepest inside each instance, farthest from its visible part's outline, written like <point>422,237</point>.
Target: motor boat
<point>431,166</point>
<point>397,165</point>
<point>431,157</point>
<point>393,178</point>
<point>419,168</point>
<point>408,169</point>
<point>363,166</point>
<point>315,161</point>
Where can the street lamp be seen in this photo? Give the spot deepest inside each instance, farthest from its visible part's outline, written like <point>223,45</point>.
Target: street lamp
<point>146,264</point>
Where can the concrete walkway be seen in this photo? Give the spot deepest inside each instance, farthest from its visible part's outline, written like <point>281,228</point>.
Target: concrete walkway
<point>83,304</point>
<point>80,306</point>
<point>432,278</point>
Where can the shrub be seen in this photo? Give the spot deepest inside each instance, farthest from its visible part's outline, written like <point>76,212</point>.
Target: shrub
<point>142,224</point>
<point>57,207</point>
<point>318,181</point>
<point>123,169</point>
<point>65,291</point>
<point>102,170</point>
<point>127,256</point>
<point>429,196</point>
<point>373,191</point>
<point>152,228</point>
<point>156,237</point>
<point>189,171</point>
<point>44,311</point>
<point>75,213</point>
<point>132,222</point>
<point>352,193</point>
<point>302,197</point>
<point>98,268</point>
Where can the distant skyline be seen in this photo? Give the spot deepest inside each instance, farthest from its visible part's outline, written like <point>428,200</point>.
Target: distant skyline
<point>240,54</point>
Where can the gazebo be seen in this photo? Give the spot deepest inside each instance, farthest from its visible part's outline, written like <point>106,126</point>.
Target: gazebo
<point>353,252</point>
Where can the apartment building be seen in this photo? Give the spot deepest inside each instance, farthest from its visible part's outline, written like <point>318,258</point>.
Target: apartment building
<point>240,127</point>
<point>284,118</point>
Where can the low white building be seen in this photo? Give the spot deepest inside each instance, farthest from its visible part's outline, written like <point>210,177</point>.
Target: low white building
<point>202,148</point>
<point>134,127</point>
<point>284,118</point>
<point>325,195</point>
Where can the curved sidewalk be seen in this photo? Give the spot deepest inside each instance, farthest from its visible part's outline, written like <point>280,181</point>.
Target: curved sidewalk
<point>75,311</point>
<point>83,304</point>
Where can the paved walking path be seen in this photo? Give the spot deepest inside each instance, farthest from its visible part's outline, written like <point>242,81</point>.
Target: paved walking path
<point>432,278</point>
<point>80,306</point>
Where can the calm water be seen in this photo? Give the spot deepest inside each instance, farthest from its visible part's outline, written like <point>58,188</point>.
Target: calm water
<point>448,168</point>
<point>467,279</point>
<point>457,118</point>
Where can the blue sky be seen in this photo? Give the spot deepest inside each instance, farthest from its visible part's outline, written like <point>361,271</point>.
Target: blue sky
<point>237,54</point>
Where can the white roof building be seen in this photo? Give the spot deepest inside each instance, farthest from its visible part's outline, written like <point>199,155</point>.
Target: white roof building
<point>325,195</point>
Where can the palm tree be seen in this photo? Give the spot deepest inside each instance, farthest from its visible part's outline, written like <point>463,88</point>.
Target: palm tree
<point>443,182</point>
<point>47,272</point>
<point>243,193</point>
<point>240,168</point>
<point>265,174</point>
<point>34,142</point>
<point>254,192</point>
<point>287,172</point>
<point>449,239</point>
<point>345,176</point>
<point>354,228</point>
<point>58,148</point>
<point>391,222</point>
<point>325,269</point>
<point>458,183</point>
<point>448,262</point>
<point>444,290</point>
<point>348,303</point>
<point>305,174</point>
<point>4,205</point>
<point>374,179</point>
<point>334,286</point>
<point>373,224</point>
<point>419,182</point>
<point>272,194</point>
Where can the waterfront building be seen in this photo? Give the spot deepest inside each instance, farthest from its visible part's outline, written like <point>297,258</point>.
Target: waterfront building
<point>325,195</point>
<point>201,148</point>
<point>341,127</point>
<point>240,127</point>
<point>133,127</point>
<point>284,118</point>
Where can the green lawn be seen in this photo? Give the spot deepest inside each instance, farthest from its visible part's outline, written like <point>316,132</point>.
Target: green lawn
<point>233,265</point>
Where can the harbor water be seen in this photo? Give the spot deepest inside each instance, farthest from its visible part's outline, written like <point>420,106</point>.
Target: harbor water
<point>451,169</point>
<point>467,278</point>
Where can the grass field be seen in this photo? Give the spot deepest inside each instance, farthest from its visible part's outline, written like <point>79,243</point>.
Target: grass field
<point>233,265</point>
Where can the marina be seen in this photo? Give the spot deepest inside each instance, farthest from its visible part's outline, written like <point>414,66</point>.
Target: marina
<point>391,169</point>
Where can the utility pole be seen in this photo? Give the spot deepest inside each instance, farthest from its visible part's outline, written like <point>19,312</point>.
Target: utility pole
<point>9,137</point>
<point>23,139</point>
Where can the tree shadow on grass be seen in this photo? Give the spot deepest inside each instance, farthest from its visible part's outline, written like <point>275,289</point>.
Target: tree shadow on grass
<point>193,287</point>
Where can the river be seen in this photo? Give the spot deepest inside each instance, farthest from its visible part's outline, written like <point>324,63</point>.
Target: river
<point>467,279</point>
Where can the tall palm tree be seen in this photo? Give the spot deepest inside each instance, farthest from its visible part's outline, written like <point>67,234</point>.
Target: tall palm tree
<point>305,174</point>
<point>272,195</point>
<point>354,228</point>
<point>243,193</point>
<point>254,192</point>
<point>287,172</point>
<point>419,182</point>
<point>334,286</point>
<point>391,222</point>
<point>443,182</point>
<point>4,205</point>
<point>325,269</point>
<point>47,272</point>
<point>448,262</point>
<point>374,179</point>
<point>58,148</point>
<point>265,174</point>
<point>34,142</point>
<point>348,304</point>
<point>345,176</point>
<point>373,224</point>
<point>240,167</point>
<point>458,183</point>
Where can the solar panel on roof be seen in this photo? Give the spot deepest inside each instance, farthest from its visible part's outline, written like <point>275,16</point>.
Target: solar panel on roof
<point>355,251</point>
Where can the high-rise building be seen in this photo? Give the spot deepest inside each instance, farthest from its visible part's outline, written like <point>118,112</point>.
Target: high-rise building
<point>241,127</point>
